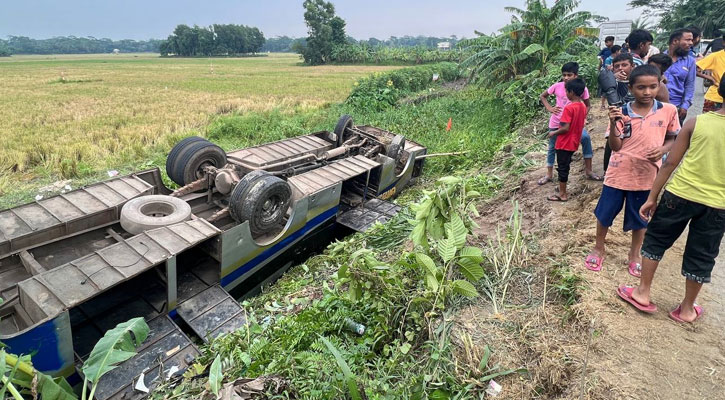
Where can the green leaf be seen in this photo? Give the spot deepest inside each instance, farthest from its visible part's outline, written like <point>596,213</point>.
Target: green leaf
<point>418,235</point>
<point>405,348</point>
<point>474,254</point>
<point>342,271</point>
<point>117,345</point>
<point>456,230</point>
<point>483,366</point>
<point>54,389</point>
<point>464,288</point>
<point>355,291</point>
<point>427,262</point>
<point>424,210</point>
<point>440,394</point>
<point>472,270</point>
<point>446,249</point>
<point>435,228</point>
<point>215,375</point>
<point>349,377</point>
<point>432,282</point>
<point>450,180</point>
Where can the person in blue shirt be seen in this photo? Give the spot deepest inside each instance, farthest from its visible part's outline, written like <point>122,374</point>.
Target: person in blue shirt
<point>607,50</point>
<point>682,74</point>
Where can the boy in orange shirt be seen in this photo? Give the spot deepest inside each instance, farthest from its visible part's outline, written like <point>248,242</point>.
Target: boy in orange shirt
<point>569,134</point>
<point>640,133</point>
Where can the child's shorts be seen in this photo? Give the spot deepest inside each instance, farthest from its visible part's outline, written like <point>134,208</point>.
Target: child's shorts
<point>707,226</point>
<point>611,202</point>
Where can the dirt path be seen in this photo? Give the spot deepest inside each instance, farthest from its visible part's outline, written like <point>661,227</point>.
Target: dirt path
<point>632,355</point>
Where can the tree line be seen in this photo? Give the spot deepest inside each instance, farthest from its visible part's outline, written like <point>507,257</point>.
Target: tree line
<point>214,40</point>
<point>74,45</point>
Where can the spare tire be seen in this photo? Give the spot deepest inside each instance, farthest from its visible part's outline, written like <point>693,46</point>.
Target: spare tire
<point>264,204</point>
<point>396,147</point>
<point>241,189</point>
<point>190,163</point>
<point>154,211</point>
<point>174,155</point>
<point>343,123</point>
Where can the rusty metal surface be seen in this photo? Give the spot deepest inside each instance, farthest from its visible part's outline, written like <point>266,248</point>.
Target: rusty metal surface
<point>211,313</point>
<point>360,219</point>
<point>66,214</point>
<point>331,174</point>
<point>260,156</point>
<point>50,292</point>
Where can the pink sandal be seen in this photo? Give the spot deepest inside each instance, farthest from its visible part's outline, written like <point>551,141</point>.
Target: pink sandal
<point>593,262</point>
<point>635,269</point>
<point>625,292</point>
<point>675,314</point>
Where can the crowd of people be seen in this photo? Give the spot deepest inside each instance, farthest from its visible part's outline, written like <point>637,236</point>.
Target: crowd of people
<point>649,147</point>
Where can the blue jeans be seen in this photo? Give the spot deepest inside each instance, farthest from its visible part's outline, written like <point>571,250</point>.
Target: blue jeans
<point>586,148</point>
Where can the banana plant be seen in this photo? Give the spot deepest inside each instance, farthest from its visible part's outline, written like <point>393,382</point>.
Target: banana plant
<point>117,345</point>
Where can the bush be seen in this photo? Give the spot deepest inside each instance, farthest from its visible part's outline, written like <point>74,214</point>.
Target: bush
<point>380,91</point>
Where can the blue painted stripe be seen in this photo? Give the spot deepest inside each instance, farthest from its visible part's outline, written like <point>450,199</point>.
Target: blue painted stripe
<point>43,344</point>
<point>313,223</point>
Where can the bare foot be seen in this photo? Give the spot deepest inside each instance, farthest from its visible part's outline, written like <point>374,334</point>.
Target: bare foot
<point>545,179</point>
<point>641,298</point>
<point>688,314</point>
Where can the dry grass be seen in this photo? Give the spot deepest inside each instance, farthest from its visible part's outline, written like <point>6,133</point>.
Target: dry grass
<point>66,115</point>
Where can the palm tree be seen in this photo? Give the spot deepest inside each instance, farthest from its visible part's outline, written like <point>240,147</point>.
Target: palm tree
<point>643,23</point>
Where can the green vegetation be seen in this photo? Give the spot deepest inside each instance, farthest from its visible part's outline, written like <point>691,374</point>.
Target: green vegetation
<point>307,328</point>
<point>708,15</point>
<point>352,53</point>
<point>526,57</point>
<point>75,45</point>
<point>215,40</point>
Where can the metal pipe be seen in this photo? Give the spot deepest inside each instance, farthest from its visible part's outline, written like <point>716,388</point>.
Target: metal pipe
<point>442,154</point>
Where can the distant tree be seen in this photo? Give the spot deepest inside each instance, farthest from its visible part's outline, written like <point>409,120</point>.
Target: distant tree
<point>325,30</point>
<point>708,15</point>
<point>215,40</point>
<point>78,45</point>
<point>4,50</point>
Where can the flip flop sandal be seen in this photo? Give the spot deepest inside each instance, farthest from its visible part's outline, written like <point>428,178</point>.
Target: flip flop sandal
<point>675,314</point>
<point>625,292</point>
<point>556,198</point>
<point>544,181</point>
<point>595,177</point>
<point>593,262</point>
<point>635,269</point>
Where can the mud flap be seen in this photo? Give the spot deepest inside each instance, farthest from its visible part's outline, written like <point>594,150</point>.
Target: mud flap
<point>212,312</point>
<point>360,219</point>
<point>166,347</point>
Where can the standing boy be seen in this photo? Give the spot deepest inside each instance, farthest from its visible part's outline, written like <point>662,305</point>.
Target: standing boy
<point>714,62</point>
<point>694,196</point>
<point>569,71</point>
<point>569,134</point>
<point>616,50</point>
<point>681,75</point>
<point>607,50</point>
<point>640,133</point>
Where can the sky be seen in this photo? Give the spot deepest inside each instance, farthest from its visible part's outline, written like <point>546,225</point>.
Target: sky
<point>144,19</point>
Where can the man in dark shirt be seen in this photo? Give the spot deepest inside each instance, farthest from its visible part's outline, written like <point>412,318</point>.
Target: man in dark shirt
<point>716,44</point>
